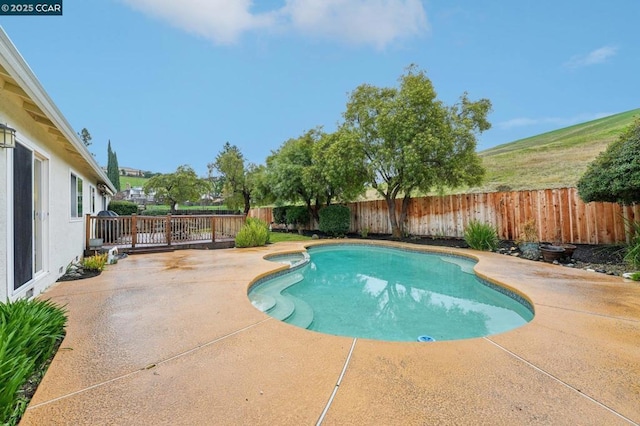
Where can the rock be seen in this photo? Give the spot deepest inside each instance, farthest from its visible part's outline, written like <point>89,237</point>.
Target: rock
<point>555,262</point>
<point>515,254</point>
<point>602,271</point>
<point>627,275</point>
<point>590,270</point>
<point>570,265</point>
<point>315,237</point>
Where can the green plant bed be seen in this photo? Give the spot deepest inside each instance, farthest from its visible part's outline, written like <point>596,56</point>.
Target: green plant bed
<point>30,332</point>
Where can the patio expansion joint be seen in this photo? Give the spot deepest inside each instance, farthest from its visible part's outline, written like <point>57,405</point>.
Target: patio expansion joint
<point>337,386</point>
<point>618,318</point>
<point>565,384</point>
<point>149,366</point>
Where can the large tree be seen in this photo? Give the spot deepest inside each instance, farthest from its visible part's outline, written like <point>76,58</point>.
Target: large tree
<point>238,176</point>
<point>614,176</point>
<point>314,169</point>
<point>113,170</point>
<point>178,187</point>
<point>409,141</point>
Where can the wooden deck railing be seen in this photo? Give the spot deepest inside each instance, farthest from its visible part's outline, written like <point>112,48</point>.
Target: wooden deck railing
<point>153,231</point>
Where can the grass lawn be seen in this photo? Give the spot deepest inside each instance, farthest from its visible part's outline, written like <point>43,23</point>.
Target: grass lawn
<point>278,237</point>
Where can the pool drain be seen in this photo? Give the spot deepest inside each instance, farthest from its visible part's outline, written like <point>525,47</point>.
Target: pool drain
<point>426,339</point>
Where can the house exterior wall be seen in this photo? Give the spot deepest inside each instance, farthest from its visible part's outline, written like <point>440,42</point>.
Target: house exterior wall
<point>62,236</point>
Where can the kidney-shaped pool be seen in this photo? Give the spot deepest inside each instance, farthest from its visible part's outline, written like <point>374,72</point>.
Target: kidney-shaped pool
<point>387,293</point>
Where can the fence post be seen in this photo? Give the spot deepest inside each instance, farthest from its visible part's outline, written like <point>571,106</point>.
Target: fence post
<point>213,229</point>
<point>134,230</point>
<point>167,229</point>
<point>87,231</point>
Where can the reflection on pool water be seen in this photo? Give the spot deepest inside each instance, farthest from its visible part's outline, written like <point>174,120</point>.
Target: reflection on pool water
<point>389,294</point>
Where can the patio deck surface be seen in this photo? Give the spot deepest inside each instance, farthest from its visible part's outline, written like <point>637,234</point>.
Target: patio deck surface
<point>171,338</point>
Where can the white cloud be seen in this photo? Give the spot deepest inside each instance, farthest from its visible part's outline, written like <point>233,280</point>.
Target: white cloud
<point>597,56</point>
<point>557,121</point>
<point>222,21</point>
<point>372,22</point>
<point>377,22</point>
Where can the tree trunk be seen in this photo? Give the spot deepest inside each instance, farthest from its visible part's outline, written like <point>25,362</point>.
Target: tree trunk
<point>396,231</point>
<point>247,202</point>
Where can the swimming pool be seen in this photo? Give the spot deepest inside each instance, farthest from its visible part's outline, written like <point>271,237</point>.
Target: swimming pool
<point>389,294</point>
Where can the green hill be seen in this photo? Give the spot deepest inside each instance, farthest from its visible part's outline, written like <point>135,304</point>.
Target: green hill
<point>551,160</point>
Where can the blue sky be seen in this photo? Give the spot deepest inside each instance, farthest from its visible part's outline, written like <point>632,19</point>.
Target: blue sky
<point>169,82</point>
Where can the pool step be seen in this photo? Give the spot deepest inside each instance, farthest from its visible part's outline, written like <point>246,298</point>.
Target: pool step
<point>466,265</point>
<point>302,315</point>
<point>262,302</point>
<point>282,307</point>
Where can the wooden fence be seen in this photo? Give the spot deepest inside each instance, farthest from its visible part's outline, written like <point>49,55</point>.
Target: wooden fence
<point>560,215</point>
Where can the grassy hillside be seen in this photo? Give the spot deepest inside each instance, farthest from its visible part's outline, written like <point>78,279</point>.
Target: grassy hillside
<point>554,159</point>
<point>134,181</point>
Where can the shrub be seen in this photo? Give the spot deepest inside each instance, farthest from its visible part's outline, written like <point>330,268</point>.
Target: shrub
<point>335,220</point>
<point>95,263</point>
<point>280,214</point>
<point>614,176</point>
<point>297,215</point>
<point>254,233</point>
<point>528,232</point>
<point>123,208</point>
<point>29,332</point>
<point>635,276</point>
<point>481,236</point>
<point>632,254</point>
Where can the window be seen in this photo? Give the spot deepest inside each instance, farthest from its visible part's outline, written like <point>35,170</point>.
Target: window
<point>76,196</point>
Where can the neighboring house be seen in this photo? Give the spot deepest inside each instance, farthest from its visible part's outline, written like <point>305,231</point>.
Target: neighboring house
<point>48,182</point>
<point>128,171</point>
<point>136,195</point>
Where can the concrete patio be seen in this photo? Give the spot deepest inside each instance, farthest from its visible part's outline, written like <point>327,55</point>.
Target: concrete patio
<point>171,338</point>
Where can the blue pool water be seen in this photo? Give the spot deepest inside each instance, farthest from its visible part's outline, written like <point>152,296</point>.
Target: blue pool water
<point>389,294</point>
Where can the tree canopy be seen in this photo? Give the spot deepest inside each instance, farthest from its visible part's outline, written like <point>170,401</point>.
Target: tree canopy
<point>407,140</point>
<point>85,136</point>
<point>239,179</point>
<point>178,187</point>
<point>614,176</point>
<point>301,171</point>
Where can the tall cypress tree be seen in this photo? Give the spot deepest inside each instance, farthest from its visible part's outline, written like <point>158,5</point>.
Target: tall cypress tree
<point>116,172</point>
<point>113,171</point>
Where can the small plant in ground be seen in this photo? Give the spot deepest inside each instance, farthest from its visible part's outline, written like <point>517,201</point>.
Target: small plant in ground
<point>528,232</point>
<point>632,254</point>
<point>29,332</point>
<point>95,263</point>
<point>635,276</point>
<point>364,232</point>
<point>481,236</point>
<point>335,220</point>
<point>254,233</point>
